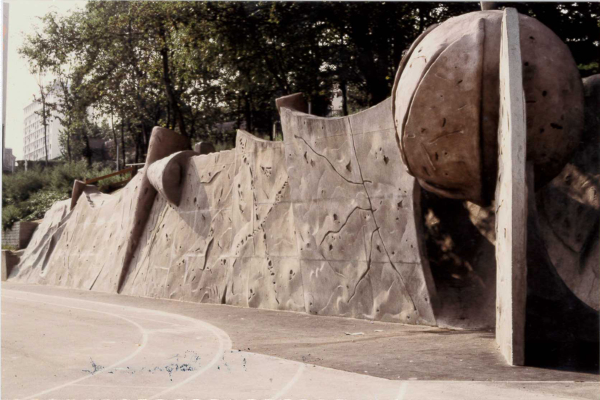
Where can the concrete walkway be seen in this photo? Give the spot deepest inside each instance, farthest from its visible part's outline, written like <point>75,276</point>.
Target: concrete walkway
<point>62,343</point>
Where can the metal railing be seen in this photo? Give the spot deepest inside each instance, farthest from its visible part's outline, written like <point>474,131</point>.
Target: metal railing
<point>132,170</point>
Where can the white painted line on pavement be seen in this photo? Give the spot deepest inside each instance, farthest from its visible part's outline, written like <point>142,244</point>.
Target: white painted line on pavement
<point>222,337</point>
<point>202,370</point>
<point>291,383</point>
<point>402,391</point>
<point>155,320</point>
<point>129,357</point>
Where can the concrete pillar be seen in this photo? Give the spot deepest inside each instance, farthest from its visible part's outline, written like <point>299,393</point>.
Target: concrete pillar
<point>10,259</point>
<point>489,5</point>
<point>5,261</point>
<point>511,198</point>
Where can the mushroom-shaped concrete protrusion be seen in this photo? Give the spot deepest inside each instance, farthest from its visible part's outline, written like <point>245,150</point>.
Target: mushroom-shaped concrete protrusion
<point>166,175</point>
<point>446,103</point>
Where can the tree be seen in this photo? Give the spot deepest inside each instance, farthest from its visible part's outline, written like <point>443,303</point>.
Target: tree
<point>577,24</point>
<point>46,113</point>
<point>191,66</point>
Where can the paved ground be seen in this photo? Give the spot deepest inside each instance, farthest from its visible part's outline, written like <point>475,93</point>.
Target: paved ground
<point>60,343</point>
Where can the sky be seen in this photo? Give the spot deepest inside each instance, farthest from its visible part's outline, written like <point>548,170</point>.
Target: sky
<point>23,18</point>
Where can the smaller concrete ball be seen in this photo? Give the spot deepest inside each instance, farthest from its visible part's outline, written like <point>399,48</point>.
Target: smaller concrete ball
<point>446,103</point>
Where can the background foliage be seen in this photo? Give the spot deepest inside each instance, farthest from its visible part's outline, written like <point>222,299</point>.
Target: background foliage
<point>27,195</point>
<point>192,66</point>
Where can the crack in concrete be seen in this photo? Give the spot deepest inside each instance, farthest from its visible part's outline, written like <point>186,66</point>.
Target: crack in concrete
<point>368,266</point>
<point>344,224</point>
<point>375,220</point>
<point>329,162</point>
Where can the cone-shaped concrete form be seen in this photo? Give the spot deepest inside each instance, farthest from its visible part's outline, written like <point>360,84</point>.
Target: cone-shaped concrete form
<point>163,142</point>
<point>166,175</point>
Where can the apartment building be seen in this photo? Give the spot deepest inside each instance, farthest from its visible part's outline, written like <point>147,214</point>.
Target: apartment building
<point>33,137</point>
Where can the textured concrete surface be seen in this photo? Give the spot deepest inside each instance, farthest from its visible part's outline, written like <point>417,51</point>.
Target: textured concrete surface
<point>329,221</point>
<point>446,104</point>
<point>339,236</point>
<point>231,240</point>
<point>511,198</point>
<point>88,344</point>
<point>355,212</point>
<point>569,209</point>
<point>70,247</point>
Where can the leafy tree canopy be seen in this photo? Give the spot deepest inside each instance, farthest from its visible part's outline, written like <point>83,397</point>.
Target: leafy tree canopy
<point>192,66</point>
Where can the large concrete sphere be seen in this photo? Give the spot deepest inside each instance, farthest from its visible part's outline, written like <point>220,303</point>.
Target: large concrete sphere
<point>446,104</point>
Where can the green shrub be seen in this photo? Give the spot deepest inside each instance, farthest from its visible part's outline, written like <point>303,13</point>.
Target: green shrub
<point>10,215</point>
<point>61,177</point>
<point>40,202</point>
<point>18,187</point>
<point>27,195</point>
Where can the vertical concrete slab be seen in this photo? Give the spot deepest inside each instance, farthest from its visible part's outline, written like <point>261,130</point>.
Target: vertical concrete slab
<point>511,198</point>
<point>356,215</point>
<point>6,263</point>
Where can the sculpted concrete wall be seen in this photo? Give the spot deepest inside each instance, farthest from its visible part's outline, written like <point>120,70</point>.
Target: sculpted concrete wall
<point>339,236</point>
<point>569,209</point>
<point>446,104</point>
<point>329,221</point>
<point>84,247</point>
<point>354,209</point>
<point>231,240</point>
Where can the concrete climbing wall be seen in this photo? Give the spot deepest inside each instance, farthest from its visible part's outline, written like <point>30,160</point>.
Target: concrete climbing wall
<point>354,209</point>
<point>339,236</point>
<point>327,222</point>
<point>231,240</point>
<point>82,248</point>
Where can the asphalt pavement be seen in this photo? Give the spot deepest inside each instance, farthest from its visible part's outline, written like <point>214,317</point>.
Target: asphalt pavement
<point>70,344</point>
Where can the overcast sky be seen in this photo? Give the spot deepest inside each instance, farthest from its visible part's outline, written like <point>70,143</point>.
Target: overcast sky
<point>23,17</point>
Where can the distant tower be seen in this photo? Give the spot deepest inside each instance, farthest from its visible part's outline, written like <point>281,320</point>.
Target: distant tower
<point>4,69</point>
